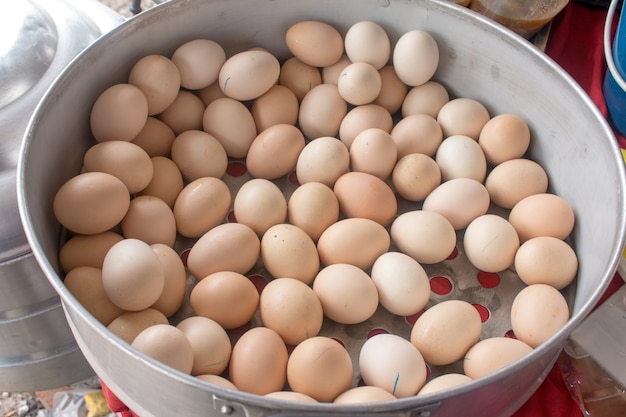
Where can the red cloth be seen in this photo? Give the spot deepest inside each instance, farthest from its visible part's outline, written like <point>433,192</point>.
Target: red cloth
<point>552,399</point>
<point>114,403</point>
<point>575,43</point>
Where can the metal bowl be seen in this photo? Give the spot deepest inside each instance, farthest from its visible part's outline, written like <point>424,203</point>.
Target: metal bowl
<point>478,59</point>
<point>39,38</point>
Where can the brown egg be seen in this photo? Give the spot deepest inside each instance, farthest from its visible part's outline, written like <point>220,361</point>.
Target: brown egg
<point>249,74</point>
<point>291,308</point>
<point>373,151</point>
<point>155,138</point>
<point>330,73</point>
<point>546,260</point>
<point>490,243</point>
<point>85,284</point>
<point>460,156</point>
<point>168,345</point>
<point>367,41</point>
<point>492,354</point>
<point>512,180</point>
<point>287,251</point>
<point>150,219</point>
<point>359,83</point>
<point>542,214</point>
<point>87,250</point>
<point>538,312</point>
<point>443,382</point>
<point>260,204</point>
<point>217,380</point>
<point>198,62</point>
<point>232,124</point>
<point>226,247</point>
<point>323,160</point>
<point>227,297</point>
<point>426,236</point>
<point>159,80</point>
<point>278,106</point>
<point>130,323</point>
<point>175,285</point>
<point>210,93</point>
<point>417,133</point>
<point>460,200</point>
<point>185,113</point>
<point>504,137</point>
<point>290,396</point>
<point>199,154</point>
<point>321,111</point>
<point>91,203</point>
<point>347,293</point>
<point>367,196</point>
<point>166,182</point>
<point>315,43</point>
<point>201,205</point>
<point>392,91</point>
<point>274,152</point>
<point>132,275</point>
<point>415,175</point>
<point>446,331</point>
<point>402,283</point>
<point>320,367</point>
<point>124,160</point>
<point>364,394</point>
<point>463,116</point>
<point>119,113</point>
<point>415,57</point>
<point>210,344</point>
<point>356,241</point>
<point>313,207</point>
<point>391,362</point>
<point>364,117</point>
<point>259,362</point>
<point>299,77</point>
<point>427,98</point>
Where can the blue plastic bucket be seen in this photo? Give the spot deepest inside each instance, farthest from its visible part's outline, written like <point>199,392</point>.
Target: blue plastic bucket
<point>614,86</point>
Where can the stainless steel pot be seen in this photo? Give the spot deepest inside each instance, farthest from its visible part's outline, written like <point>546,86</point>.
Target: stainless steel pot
<point>479,59</point>
<point>39,38</point>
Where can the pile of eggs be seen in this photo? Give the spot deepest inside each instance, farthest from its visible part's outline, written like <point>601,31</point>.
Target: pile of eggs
<point>339,173</point>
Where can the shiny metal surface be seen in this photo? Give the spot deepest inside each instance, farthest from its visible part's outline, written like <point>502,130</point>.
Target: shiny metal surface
<point>571,140</point>
<point>38,39</point>
<point>27,48</point>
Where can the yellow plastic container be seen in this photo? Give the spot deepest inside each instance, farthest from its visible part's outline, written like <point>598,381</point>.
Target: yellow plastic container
<point>525,17</point>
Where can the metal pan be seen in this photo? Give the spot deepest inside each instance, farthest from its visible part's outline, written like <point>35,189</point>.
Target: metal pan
<point>479,59</point>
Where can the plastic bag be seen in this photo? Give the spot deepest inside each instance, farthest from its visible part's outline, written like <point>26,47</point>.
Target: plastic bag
<point>80,402</point>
